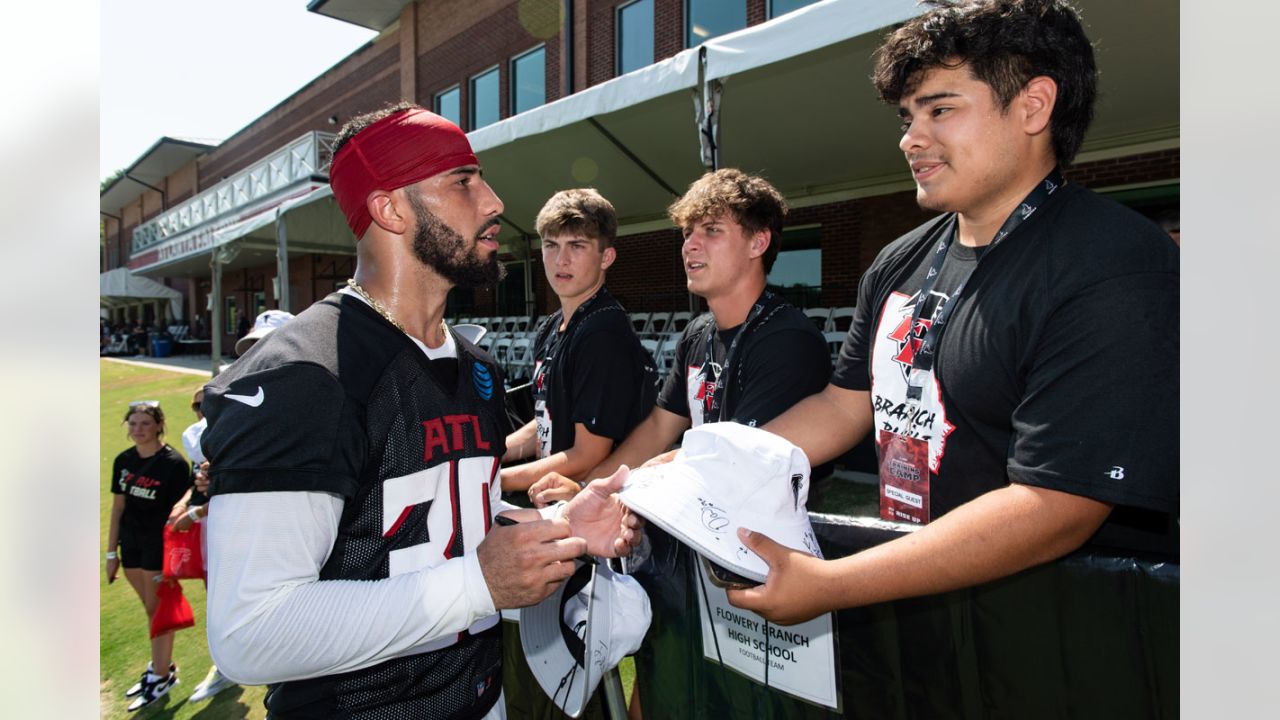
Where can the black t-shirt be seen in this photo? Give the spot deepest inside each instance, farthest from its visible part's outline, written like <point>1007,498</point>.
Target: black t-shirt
<point>596,373</point>
<point>1057,368</point>
<point>151,487</point>
<point>780,360</point>
<point>339,400</point>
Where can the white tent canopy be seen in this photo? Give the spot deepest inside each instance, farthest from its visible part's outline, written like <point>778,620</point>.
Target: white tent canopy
<point>794,103</point>
<point>120,287</point>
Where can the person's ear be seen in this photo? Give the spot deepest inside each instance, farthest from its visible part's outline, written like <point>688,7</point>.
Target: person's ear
<point>388,210</point>
<point>607,258</point>
<point>1036,102</point>
<point>760,240</point>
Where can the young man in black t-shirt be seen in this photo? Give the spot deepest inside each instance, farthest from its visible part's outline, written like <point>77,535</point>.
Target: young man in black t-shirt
<point>747,360</point>
<point>354,562</point>
<point>1017,358</point>
<point>592,379</point>
<point>753,355</point>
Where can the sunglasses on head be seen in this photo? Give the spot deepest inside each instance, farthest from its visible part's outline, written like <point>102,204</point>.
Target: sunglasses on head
<point>144,403</point>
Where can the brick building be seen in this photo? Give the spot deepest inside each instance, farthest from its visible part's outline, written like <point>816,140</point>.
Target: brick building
<point>561,93</point>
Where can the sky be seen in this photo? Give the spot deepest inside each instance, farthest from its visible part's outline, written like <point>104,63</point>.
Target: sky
<point>205,70</point>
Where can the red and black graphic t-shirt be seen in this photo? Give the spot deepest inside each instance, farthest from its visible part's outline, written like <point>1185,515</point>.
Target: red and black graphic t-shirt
<point>1057,368</point>
<point>150,486</point>
<point>781,360</point>
<point>340,401</point>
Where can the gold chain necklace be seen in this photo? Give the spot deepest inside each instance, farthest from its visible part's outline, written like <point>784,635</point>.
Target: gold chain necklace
<point>351,283</point>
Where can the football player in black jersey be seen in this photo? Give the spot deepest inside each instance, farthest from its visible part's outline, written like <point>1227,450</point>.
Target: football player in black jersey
<point>354,564</point>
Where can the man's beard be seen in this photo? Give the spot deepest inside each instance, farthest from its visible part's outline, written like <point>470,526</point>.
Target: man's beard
<point>441,248</point>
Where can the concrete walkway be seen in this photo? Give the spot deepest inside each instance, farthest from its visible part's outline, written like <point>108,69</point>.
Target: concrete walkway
<point>190,364</point>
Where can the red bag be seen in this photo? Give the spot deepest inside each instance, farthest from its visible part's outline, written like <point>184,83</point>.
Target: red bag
<point>182,557</point>
<point>173,612</point>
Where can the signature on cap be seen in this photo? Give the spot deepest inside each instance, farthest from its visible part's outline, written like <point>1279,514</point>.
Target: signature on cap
<point>713,518</point>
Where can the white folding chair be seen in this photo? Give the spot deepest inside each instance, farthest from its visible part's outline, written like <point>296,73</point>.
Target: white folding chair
<point>820,316</point>
<point>679,320</point>
<point>840,320</point>
<point>666,356</point>
<point>520,360</point>
<point>658,322</point>
<point>501,349</point>
<point>640,322</point>
<point>835,340</point>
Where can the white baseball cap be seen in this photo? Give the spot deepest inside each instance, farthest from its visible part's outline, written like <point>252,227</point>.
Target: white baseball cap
<point>266,321</point>
<point>582,631</point>
<point>728,476</point>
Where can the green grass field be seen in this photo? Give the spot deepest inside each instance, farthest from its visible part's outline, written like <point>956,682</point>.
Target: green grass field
<point>125,649</point>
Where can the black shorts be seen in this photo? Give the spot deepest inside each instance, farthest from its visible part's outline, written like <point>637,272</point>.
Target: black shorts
<point>142,549</point>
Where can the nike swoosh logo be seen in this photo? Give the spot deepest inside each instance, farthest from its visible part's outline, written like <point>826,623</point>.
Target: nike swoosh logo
<point>250,400</point>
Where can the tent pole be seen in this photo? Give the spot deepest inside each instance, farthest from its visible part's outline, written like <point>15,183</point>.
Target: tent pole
<point>529,303</point>
<point>215,323</point>
<point>282,262</point>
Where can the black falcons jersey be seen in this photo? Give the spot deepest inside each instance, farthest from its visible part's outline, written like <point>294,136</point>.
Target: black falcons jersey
<point>340,401</point>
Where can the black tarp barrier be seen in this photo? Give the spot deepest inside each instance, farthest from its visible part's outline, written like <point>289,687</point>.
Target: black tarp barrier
<point>1092,635</point>
<point>1088,636</point>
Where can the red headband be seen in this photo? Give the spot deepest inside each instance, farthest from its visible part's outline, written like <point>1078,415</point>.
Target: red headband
<point>398,150</point>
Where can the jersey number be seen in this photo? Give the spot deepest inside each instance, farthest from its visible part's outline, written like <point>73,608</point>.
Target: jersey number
<point>459,495</point>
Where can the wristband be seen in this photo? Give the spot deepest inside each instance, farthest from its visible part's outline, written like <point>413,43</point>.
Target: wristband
<point>111,555</point>
<point>191,513</point>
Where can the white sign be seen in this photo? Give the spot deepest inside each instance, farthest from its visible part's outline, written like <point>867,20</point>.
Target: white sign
<point>802,658</point>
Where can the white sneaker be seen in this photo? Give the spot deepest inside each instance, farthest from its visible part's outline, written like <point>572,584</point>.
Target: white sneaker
<point>137,687</point>
<point>213,683</point>
<point>153,690</point>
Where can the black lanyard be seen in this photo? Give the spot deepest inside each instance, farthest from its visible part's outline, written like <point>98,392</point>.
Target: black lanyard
<point>721,379</point>
<point>556,338</point>
<point>922,359</point>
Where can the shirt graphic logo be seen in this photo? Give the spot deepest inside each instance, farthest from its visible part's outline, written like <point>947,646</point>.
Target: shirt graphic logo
<point>909,339</point>
<point>251,400</point>
<point>895,344</point>
<point>483,380</point>
<point>908,342</point>
<point>1116,473</point>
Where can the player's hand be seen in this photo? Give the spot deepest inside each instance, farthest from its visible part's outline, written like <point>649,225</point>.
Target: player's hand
<point>202,477</point>
<point>597,515</point>
<point>661,459</point>
<point>552,488</point>
<point>113,567</point>
<point>524,563</point>
<point>792,592</point>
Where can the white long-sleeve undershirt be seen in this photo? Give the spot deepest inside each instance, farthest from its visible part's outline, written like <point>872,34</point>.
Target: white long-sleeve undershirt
<point>271,619</point>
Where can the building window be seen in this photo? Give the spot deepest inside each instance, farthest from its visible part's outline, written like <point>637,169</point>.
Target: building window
<point>448,105</point>
<point>797,272</point>
<point>529,80</point>
<point>706,19</point>
<point>782,7</point>
<point>635,36</point>
<point>231,315</point>
<point>259,303</point>
<point>484,99</point>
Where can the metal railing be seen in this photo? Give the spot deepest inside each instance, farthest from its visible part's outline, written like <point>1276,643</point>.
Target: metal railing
<point>298,160</point>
